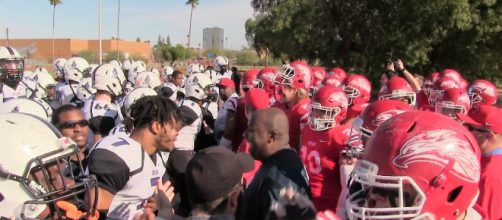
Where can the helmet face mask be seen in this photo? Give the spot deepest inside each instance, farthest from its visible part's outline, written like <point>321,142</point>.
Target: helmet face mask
<point>408,97</point>
<point>11,71</point>
<point>382,197</point>
<point>352,93</point>
<point>450,109</point>
<point>322,118</point>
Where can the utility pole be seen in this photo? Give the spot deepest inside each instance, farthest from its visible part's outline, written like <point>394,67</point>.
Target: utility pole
<point>100,46</point>
<point>7,33</point>
<point>118,31</point>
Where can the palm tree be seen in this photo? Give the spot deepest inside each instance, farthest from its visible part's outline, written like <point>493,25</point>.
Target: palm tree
<point>192,3</point>
<point>54,3</point>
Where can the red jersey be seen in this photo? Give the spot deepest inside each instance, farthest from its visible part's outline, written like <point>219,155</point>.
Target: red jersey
<point>248,176</point>
<point>320,153</point>
<point>241,124</point>
<point>298,117</point>
<point>490,197</point>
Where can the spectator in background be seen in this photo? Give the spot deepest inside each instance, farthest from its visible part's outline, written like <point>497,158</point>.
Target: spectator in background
<point>227,111</point>
<point>268,136</point>
<point>236,78</point>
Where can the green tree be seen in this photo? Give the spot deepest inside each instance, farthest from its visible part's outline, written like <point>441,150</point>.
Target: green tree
<point>54,3</point>
<point>429,34</point>
<point>193,4</point>
<point>88,55</point>
<point>112,55</point>
<point>247,57</point>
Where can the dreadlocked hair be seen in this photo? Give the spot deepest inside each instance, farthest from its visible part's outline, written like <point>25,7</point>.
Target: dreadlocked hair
<point>153,108</point>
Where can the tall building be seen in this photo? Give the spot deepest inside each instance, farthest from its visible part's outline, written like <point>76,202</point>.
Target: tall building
<point>213,38</point>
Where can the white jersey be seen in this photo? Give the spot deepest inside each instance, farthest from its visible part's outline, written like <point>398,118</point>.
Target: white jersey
<point>67,93</point>
<point>187,135</point>
<point>227,74</point>
<point>93,108</point>
<point>26,89</point>
<point>143,175</point>
<point>119,129</point>
<point>7,93</point>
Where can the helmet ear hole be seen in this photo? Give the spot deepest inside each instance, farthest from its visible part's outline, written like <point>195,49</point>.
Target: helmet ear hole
<point>452,196</point>
<point>411,127</point>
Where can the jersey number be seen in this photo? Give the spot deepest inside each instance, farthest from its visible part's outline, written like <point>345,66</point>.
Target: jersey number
<point>312,159</point>
<point>99,107</point>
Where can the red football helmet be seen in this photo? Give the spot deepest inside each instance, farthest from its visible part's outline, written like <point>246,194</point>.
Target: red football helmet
<point>377,113</point>
<point>483,91</point>
<point>339,73</point>
<point>431,79</point>
<point>332,79</point>
<point>453,74</point>
<point>452,102</point>
<point>318,75</point>
<point>297,75</point>
<point>266,78</point>
<point>358,89</point>
<point>413,169</point>
<point>440,86</point>
<point>398,88</point>
<point>249,81</point>
<point>328,108</point>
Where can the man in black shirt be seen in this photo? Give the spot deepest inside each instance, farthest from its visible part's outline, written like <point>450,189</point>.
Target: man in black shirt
<point>268,136</point>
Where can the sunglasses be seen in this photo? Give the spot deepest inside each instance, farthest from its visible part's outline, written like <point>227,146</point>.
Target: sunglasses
<point>73,124</point>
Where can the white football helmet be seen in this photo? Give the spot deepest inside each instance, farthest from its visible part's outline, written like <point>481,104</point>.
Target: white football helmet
<point>134,95</point>
<point>85,90</point>
<point>43,80</point>
<point>11,66</point>
<point>35,171</point>
<point>36,107</point>
<point>108,77</point>
<point>156,71</point>
<point>169,90</point>
<point>200,86</point>
<point>92,67</point>
<point>127,64</point>
<point>116,63</point>
<point>166,73</point>
<point>219,62</point>
<point>195,68</point>
<point>58,67</point>
<point>147,79</point>
<point>213,75</point>
<point>28,75</point>
<point>75,68</point>
<point>136,68</point>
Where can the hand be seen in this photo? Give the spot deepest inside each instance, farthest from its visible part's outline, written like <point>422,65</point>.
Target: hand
<point>164,195</point>
<point>399,65</point>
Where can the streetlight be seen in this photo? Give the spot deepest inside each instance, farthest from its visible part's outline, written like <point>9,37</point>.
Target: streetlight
<point>100,46</point>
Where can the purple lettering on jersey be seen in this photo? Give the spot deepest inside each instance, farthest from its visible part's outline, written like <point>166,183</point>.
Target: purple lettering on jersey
<point>120,143</point>
<point>153,181</point>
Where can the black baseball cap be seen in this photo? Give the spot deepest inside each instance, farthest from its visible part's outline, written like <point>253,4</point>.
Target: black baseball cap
<point>214,172</point>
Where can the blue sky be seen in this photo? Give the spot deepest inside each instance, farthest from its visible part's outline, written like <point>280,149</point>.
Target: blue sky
<point>145,19</point>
